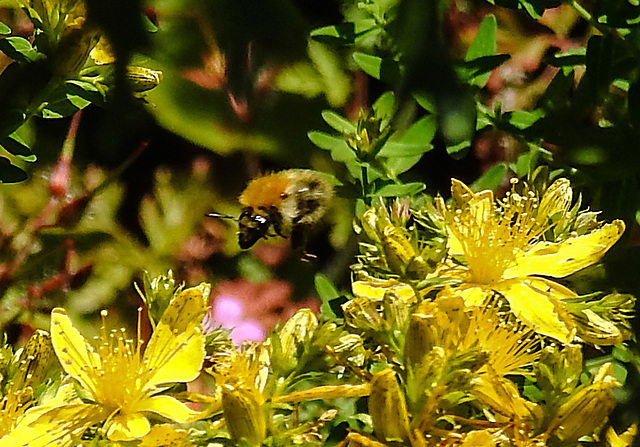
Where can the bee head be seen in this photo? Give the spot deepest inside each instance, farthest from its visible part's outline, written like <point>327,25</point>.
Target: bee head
<point>252,227</point>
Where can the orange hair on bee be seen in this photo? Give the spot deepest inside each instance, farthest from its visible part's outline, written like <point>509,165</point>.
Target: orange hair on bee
<point>265,191</point>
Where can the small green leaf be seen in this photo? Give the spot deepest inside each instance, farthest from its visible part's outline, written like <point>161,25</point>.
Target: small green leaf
<point>484,43</point>
<point>338,122</point>
<point>148,25</point>
<point>4,29</point>
<point>399,165</point>
<point>327,292</point>
<point>491,179</point>
<point>393,149</point>
<point>425,101</point>
<point>459,150</point>
<point>477,71</point>
<point>16,146</point>
<point>10,173</point>
<point>385,106</point>
<point>422,131</point>
<point>344,33</point>
<point>571,57</point>
<point>522,119</point>
<point>19,49</point>
<point>406,189</point>
<point>378,68</point>
<point>340,150</point>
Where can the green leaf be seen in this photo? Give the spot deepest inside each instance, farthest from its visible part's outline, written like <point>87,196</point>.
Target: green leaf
<point>19,49</point>
<point>425,101</point>
<point>10,173</point>
<point>477,71</point>
<point>16,146</point>
<point>4,29</point>
<point>148,25</point>
<point>484,43</point>
<point>338,122</point>
<point>459,150</point>
<point>399,165</point>
<point>340,150</point>
<point>344,33</point>
<point>522,119</point>
<point>422,131</point>
<point>327,292</point>
<point>491,179</point>
<point>385,106</point>
<point>72,96</point>
<point>393,149</point>
<point>571,57</point>
<point>406,189</point>
<point>378,68</point>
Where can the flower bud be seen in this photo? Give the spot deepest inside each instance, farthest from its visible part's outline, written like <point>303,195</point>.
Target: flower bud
<point>587,409</point>
<point>298,329</point>
<point>243,414</point>
<point>143,79</point>
<point>388,408</point>
<point>555,201</point>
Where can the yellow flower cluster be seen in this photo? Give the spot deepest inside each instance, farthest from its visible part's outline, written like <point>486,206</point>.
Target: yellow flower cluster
<point>457,334</point>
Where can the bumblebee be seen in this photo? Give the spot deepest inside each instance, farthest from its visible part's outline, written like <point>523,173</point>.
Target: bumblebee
<point>289,202</point>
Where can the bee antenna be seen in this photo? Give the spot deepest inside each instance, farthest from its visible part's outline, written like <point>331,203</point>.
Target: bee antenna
<point>220,216</point>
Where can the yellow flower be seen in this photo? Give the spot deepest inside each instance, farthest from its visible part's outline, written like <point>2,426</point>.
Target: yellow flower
<point>499,247</point>
<point>447,323</point>
<point>241,378</point>
<point>119,385</point>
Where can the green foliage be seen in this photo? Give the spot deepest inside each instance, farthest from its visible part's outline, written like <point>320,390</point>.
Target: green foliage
<point>49,74</point>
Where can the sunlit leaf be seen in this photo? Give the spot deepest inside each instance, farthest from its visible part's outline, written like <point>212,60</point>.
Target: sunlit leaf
<point>338,122</point>
<point>16,146</point>
<point>377,67</point>
<point>19,48</point>
<point>10,173</point>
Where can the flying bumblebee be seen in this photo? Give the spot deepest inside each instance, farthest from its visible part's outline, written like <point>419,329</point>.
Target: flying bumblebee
<point>289,202</point>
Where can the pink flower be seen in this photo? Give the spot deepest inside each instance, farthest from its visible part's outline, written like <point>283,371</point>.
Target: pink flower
<point>228,312</point>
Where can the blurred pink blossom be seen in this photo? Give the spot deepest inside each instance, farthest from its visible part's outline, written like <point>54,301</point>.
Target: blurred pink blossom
<point>228,311</point>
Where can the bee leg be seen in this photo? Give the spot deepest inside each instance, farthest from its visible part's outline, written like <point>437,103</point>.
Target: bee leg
<point>298,236</point>
<point>276,221</point>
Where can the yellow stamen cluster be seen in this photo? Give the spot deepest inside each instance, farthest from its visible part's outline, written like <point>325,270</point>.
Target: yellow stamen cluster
<point>115,374</point>
<point>490,237</point>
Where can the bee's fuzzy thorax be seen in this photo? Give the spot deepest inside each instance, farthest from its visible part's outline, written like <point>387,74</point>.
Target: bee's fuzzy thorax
<point>265,191</point>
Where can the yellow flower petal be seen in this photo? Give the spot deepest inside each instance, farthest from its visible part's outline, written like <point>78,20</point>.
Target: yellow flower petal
<point>164,435</point>
<point>169,407</point>
<point>503,398</point>
<point>473,295</point>
<point>535,301</point>
<point>44,426</point>
<point>176,348</point>
<point>125,427</point>
<point>561,259</point>
<point>624,439</point>
<point>75,354</point>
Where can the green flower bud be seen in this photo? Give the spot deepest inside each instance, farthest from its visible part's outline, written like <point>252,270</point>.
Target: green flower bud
<point>243,414</point>
<point>388,408</point>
